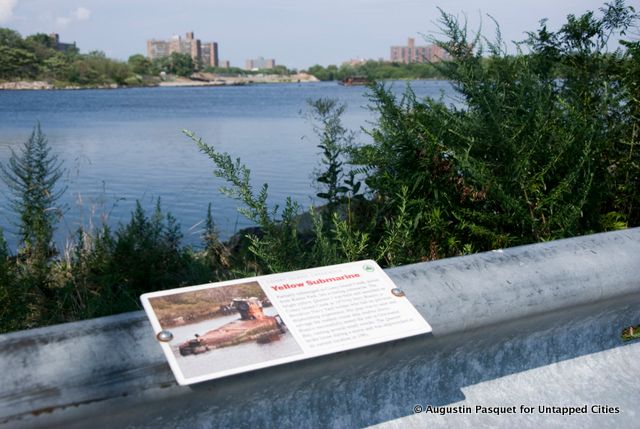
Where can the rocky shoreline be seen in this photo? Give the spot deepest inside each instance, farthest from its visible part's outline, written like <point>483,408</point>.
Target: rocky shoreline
<point>198,79</point>
<point>209,79</point>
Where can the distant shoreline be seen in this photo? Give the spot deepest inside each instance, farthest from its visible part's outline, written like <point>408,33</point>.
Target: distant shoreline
<point>178,82</point>
<point>202,79</point>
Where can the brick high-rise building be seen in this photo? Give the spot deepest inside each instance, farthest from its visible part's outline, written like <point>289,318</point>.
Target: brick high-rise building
<point>260,63</point>
<point>417,54</point>
<point>209,54</point>
<point>204,54</point>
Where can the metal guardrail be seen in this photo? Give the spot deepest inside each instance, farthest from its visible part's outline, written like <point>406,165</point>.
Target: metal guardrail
<point>531,326</point>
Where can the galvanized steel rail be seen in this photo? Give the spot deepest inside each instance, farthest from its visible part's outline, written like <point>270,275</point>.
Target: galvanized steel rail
<point>535,326</point>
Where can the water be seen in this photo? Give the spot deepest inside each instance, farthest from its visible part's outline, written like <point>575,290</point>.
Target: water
<point>228,357</point>
<point>124,145</point>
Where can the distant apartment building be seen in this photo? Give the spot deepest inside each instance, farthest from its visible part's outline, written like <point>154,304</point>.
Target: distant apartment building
<point>260,63</point>
<point>59,46</point>
<point>209,54</point>
<point>354,62</point>
<point>417,54</point>
<point>204,54</point>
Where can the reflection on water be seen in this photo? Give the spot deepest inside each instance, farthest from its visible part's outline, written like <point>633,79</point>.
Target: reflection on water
<point>228,357</point>
<point>123,145</point>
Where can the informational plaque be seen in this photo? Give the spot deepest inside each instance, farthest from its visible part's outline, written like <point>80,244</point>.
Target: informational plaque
<point>219,329</point>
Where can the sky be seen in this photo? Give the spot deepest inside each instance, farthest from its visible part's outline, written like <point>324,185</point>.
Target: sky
<point>297,33</point>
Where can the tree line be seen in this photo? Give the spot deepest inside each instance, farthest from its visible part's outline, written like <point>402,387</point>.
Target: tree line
<point>35,57</point>
<point>377,70</point>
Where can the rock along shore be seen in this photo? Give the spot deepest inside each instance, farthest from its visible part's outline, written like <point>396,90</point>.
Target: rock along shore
<point>209,79</point>
<point>197,79</point>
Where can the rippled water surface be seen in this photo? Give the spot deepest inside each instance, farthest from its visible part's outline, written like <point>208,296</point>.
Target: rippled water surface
<point>124,145</point>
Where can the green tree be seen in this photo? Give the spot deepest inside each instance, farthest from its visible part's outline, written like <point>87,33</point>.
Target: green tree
<point>10,38</point>
<point>279,70</point>
<point>318,71</point>
<point>41,39</point>
<point>41,45</point>
<point>17,63</point>
<point>226,71</point>
<point>146,253</point>
<point>377,70</point>
<point>32,176</point>
<point>56,67</point>
<point>178,63</point>
<point>322,73</point>
<point>140,64</point>
<point>335,141</point>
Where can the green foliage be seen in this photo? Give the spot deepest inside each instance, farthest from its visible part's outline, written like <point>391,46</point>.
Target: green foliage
<point>32,176</point>
<point>13,298</point>
<point>226,71</point>
<point>10,38</point>
<point>279,232</point>
<point>96,67</point>
<point>335,140</point>
<point>101,272</point>
<point>237,71</point>
<point>141,65</point>
<point>215,253</point>
<point>377,70</point>
<point>5,272</point>
<point>176,63</point>
<point>345,229</point>
<point>279,70</point>
<point>35,57</point>
<point>322,73</point>
<point>56,67</point>
<point>17,62</point>
<point>42,46</point>
<point>210,236</point>
<point>147,250</point>
<point>104,272</point>
<point>40,40</point>
<point>529,157</point>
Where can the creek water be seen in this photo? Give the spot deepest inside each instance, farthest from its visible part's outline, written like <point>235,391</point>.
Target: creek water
<point>123,145</point>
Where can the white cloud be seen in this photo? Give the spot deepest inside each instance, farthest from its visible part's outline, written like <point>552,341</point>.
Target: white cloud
<point>6,9</point>
<point>80,14</point>
<point>62,21</point>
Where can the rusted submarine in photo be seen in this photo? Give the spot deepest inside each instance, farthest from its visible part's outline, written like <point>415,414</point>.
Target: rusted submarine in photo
<point>253,325</point>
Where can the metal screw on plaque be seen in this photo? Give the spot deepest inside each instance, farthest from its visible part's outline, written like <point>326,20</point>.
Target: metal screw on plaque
<point>164,336</point>
<point>397,292</point>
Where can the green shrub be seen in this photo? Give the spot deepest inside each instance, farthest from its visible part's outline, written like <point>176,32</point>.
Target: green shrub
<point>545,146</point>
<point>105,272</point>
